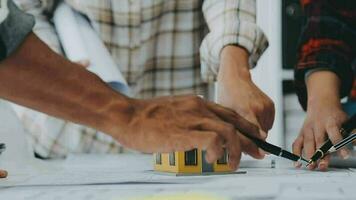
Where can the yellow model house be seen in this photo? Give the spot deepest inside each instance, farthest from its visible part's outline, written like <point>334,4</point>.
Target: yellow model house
<point>189,162</point>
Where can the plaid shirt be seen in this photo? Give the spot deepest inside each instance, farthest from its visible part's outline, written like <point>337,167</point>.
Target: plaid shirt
<point>162,47</point>
<point>328,42</point>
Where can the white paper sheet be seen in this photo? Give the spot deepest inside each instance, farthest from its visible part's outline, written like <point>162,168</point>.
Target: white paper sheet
<point>80,42</point>
<point>128,177</point>
<point>18,158</point>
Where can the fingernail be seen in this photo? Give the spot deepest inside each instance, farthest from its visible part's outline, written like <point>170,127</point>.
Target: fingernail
<point>3,174</point>
<point>261,152</point>
<point>322,165</point>
<point>297,164</point>
<point>311,166</point>
<point>344,154</point>
<point>263,134</point>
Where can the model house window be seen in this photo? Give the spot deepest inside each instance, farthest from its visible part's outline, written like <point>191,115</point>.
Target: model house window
<point>191,157</point>
<point>223,159</point>
<point>172,159</point>
<point>158,158</point>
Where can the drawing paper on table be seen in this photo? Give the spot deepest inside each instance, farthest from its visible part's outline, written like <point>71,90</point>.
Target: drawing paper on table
<point>18,157</point>
<point>121,176</point>
<point>325,191</point>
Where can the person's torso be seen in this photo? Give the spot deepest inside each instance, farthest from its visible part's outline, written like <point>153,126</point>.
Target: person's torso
<point>155,43</point>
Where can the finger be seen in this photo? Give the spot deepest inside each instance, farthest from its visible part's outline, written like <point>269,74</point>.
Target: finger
<point>3,173</point>
<point>234,118</point>
<point>228,133</point>
<point>254,120</point>
<point>320,136</point>
<point>235,155</point>
<point>344,153</point>
<point>332,130</point>
<point>83,63</point>
<point>262,121</point>
<point>266,117</point>
<point>324,163</point>
<point>335,136</point>
<point>309,145</point>
<point>270,119</point>
<point>186,140</point>
<point>250,148</point>
<point>226,130</point>
<point>297,149</point>
<point>215,150</point>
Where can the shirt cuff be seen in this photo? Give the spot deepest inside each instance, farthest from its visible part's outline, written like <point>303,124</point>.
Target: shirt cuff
<point>14,29</point>
<point>308,73</point>
<point>329,61</point>
<point>244,34</point>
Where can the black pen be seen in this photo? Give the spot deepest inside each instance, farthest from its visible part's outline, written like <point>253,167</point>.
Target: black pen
<point>343,143</point>
<point>345,130</point>
<point>275,150</point>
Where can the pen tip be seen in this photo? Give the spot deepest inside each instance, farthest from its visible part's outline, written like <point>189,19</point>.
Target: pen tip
<point>303,159</point>
<point>309,163</point>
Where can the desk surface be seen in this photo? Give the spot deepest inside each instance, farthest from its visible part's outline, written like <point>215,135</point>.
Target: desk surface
<point>113,177</point>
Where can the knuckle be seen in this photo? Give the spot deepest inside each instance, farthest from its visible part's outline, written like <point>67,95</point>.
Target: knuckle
<point>271,105</point>
<point>214,137</point>
<point>307,127</point>
<point>336,135</point>
<point>254,130</point>
<point>319,137</point>
<point>331,125</point>
<point>307,132</point>
<point>257,108</point>
<point>193,102</point>
<point>309,136</point>
<point>296,143</point>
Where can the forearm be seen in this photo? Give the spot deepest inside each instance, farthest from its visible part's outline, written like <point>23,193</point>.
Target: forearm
<point>321,86</point>
<point>231,23</point>
<point>236,88</point>
<point>326,42</point>
<point>36,77</point>
<point>234,64</point>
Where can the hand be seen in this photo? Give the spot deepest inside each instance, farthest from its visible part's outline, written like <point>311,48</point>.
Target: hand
<point>237,91</point>
<point>323,121</point>
<point>324,118</point>
<point>182,123</point>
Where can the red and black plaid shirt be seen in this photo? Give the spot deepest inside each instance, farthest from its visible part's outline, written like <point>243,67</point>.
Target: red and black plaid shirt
<point>328,42</point>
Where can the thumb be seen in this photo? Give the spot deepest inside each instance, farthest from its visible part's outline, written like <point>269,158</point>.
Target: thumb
<point>253,119</point>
